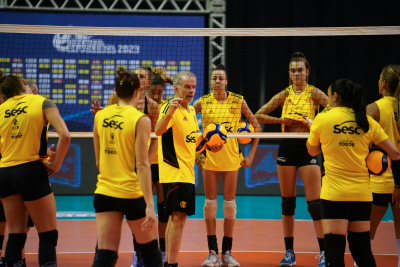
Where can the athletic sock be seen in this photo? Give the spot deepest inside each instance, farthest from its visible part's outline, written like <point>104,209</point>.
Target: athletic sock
<point>47,248</point>
<point>165,264</point>
<point>398,250</point>
<point>172,265</point>
<point>212,243</point>
<point>162,244</point>
<point>321,244</point>
<point>289,243</point>
<point>106,258</point>
<point>15,244</point>
<point>135,248</point>
<point>226,244</point>
<point>1,242</point>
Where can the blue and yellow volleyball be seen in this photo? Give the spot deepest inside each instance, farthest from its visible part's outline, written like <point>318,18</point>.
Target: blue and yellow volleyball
<point>244,127</point>
<point>201,143</point>
<point>378,162</point>
<point>215,134</point>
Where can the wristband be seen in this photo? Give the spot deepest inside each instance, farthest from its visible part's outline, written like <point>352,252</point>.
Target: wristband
<point>396,172</point>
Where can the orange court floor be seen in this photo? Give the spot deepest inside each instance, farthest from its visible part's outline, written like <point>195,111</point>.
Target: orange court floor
<point>256,243</point>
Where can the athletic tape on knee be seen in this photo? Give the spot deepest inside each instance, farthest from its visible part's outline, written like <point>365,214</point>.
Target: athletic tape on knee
<point>210,209</point>
<point>314,208</point>
<point>229,209</point>
<point>162,215</point>
<point>288,205</point>
<point>50,238</point>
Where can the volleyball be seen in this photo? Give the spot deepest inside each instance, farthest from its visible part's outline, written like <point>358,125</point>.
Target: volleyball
<point>215,134</point>
<point>201,143</point>
<point>244,127</point>
<point>378,162</point>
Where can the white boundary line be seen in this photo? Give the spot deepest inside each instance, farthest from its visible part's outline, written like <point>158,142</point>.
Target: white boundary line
<point>316,252</point>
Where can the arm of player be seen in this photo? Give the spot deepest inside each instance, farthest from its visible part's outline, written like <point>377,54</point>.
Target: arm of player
<point>96,142</point>
<point>52,115</point>
<point>313,150</point>
<point>162,124</point>
<point>197,106</point>
<point>319,97</point>
<point>276,101</point>
<point>246,162</point>
<point>143,170</point>
<point>373,111</point>
<point>154,113</point>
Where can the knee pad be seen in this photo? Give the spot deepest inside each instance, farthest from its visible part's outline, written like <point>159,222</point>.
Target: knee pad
<point>210,209</point>
<point>314,208</point>
<point>360,248</point>
<point>151,254</point>
<point>335,246</point>
<point>17,240</point>
<point>288,205</point>
<point>162,216</point>
<point>49,238</point>
<point>229,208</point>
<point>106,257</point>
<point>152,245</point>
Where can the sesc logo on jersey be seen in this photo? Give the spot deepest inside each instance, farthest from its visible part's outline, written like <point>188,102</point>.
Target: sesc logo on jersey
<point>191,138</point>
<point>340,128</point>
<point>15,111</point>
<point>113,123</point>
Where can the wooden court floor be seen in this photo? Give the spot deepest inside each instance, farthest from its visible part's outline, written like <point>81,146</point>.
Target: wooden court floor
<point>256,243</point>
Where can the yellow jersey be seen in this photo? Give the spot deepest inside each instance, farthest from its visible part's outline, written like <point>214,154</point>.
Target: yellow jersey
<point>23,130</point>
<point>384,184</point>
<point>227,114</point>
<point>177,146</point>
<point>297,105</point>
<point>155,159</point>
<point>116,126</point>
<point>345,147</point>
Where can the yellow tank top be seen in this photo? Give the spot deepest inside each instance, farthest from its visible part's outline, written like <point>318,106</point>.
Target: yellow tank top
<point>116,126</point>
<point>155,159</point>
<point>297,105</point>
<point>384,184</point>
<point>227,114</point>
<point>23,130</point>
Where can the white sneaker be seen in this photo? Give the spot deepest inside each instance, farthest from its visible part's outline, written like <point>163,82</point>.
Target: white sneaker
<point>227,260</point>
<point>212,260</point>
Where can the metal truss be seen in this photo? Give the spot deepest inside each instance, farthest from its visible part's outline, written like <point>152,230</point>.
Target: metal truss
<point>133,6</point>
<point>217,43</point>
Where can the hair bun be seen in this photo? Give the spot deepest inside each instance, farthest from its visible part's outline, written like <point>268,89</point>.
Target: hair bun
<point>2,76</point>
<point>220,67</point>
<point>121,73</point>
<point>298,54</point>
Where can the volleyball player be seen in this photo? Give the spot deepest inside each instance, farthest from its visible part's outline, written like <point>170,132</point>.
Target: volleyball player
<point>385,111</point>
<point>24,183</point>
<point>297,100</point>
<point>344,134</point>
<point>176,154</point>
<point>120,138</point>
<point>225,108</point>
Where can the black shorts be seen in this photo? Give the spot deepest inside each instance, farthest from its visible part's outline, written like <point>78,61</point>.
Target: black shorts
<point>155,177</point>
<point>29,180</point>
<point>347,210</point>
<point>132,208</point>
<point>293,152</point>
<point>179,197</point>
<point>382,200</point>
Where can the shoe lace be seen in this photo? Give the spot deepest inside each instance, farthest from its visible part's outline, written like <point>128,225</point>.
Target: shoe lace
<point>286,256</point>
<point>230,257</point>
<point>320,257</point>
<point>210,256</point>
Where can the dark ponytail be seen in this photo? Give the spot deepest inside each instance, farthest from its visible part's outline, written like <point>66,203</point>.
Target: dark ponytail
<point>10,85</point>
<point>352,96</point>
<point>126,83</point>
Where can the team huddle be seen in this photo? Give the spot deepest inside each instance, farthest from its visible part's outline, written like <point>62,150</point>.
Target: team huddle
<point>349,203</point>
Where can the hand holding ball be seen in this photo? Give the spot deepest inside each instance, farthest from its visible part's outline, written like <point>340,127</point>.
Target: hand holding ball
<point>378,162</point>
<point>244,127</point>
<point>201,143</point>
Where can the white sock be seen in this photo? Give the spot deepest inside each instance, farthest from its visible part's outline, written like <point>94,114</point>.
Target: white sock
<point>398,250</point>
<point>370,241</point>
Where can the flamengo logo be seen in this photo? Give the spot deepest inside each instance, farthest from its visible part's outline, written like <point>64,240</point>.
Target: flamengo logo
<point>88,44</point>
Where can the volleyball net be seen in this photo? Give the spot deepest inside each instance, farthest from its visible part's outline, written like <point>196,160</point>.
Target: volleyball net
<point>75,65</point>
